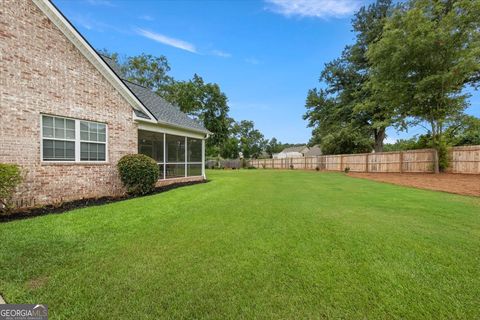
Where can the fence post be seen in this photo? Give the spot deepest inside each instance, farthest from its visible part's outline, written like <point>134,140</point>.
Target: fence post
<point>366,162</point>
<point>435,157</point>
<point>305,166</point>
<point>341,162</point>
<point>401,161</point>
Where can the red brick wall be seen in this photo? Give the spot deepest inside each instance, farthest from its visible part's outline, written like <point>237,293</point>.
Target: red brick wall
<point>42,72</point>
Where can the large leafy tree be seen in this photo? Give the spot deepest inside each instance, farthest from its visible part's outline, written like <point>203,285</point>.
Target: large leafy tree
<point>343,110</point>
<point>244,138</point>
<point>145,69</point>
<point>251,140</point>
<point>428,52</point>
<point>206,102</point>
<point>464,130</point>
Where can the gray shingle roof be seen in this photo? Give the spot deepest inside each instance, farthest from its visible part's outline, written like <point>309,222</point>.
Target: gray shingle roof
<point>294,149</point>
<point>162,110</point>
<point>314,151</point>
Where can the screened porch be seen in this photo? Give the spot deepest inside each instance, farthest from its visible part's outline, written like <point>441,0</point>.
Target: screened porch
<point>177,156</point>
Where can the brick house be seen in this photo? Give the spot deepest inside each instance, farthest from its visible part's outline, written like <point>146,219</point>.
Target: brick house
<point>67,116</point>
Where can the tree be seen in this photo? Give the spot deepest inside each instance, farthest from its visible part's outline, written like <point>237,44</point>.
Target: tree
<point>464,130</point>
<point>334,129</point>
<point>206,102</point>
<point>273,146</point>
<point>148,71</point>
<point>248,140</point>
<point>428,52</point>
<point>345,108</point>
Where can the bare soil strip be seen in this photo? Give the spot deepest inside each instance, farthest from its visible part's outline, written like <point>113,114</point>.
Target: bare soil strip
<point>465,184</point>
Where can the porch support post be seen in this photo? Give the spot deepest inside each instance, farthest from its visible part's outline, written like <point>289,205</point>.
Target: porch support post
<point>164,156</point>
<point>186,155</point>
<point>203,159</point>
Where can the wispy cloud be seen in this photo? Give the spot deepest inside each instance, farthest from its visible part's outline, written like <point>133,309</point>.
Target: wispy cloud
<point>220,53</point>
<point>252,61</point>
<point>177,43</point>
<point>101,3</point>
<point>314,8</point>
<point>146,17</point>
<point>89,23</point>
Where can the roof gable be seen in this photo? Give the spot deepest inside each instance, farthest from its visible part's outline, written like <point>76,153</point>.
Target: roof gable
<point>163,111</point>
<point>92,56</point>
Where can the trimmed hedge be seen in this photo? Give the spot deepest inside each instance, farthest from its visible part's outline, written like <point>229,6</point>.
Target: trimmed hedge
<point>10,178</point>
<point>139,173</point>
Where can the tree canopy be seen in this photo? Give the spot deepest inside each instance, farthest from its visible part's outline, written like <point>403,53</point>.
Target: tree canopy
<point>428,52</point>
<point>344,110</point>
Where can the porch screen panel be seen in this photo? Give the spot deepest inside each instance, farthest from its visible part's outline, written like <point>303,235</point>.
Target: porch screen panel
<point>175,148</point>
<point>194,155</point>
<point>151,144</point>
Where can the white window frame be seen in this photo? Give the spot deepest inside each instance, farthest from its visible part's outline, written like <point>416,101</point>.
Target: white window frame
<point>77,141</point>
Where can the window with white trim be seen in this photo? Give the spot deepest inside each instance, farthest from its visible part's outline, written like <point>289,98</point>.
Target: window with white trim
<point>65,139</point>
<point>93,143</point>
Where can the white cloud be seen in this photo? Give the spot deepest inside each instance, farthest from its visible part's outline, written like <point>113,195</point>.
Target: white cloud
<point>220,53</point>
<point>101,3</point>
<point>252,61</point>
<point>180,44</point>
<point>89,23</point>
<point>146,17</point>
<point>314,8</point>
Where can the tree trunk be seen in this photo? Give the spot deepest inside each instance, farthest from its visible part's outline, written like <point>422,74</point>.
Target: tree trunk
<point>435,146</point>
<point>379,137</point>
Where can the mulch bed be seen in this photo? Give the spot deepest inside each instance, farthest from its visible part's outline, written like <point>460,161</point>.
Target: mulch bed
<point>67,206</point>
<point>465,184</point>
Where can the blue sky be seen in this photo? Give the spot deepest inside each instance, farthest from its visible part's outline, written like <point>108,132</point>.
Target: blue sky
<point>265,55</point>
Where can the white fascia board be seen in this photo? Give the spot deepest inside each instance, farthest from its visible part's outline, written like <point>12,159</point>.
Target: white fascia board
<point>171,130</point>
<point>86,49</point>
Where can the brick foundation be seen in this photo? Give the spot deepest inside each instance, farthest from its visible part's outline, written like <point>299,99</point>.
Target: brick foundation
<point>163,183</point>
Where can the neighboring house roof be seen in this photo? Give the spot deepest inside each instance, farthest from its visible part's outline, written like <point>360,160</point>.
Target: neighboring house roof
<point>161,109</point>
<point>174,118</point>
<point>299,149</point>
<point>314,151</point>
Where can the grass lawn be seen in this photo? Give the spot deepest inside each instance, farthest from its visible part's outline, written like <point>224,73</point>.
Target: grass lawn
<point>253,243</point>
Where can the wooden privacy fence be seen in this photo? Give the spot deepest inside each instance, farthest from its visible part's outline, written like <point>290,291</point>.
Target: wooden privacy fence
<point>465,159</point>
<point>462,160</point>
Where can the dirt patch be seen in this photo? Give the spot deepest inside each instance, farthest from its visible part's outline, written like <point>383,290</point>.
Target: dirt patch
<point>37,283</point>
<point>466,184</point>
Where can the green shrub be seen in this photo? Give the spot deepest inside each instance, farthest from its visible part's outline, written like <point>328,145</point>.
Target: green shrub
<point>10,178</point>
<point>139,173</point>
<point>443,160</point>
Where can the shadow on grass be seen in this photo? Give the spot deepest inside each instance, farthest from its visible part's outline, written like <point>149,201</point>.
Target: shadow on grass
<point>83,203</point>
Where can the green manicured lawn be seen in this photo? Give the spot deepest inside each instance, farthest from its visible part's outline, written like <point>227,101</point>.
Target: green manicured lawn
<point>253,244</point>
